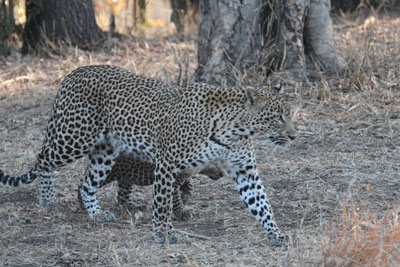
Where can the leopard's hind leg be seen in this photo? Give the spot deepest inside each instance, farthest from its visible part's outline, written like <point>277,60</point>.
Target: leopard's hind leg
<point>131,171</point>
<point>182,192</point>
<point>59,149</point>
<point>101,161</point>
<point>186,190</point>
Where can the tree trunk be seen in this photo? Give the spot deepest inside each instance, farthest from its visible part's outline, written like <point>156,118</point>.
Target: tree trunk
<point>269,35</point>
<point>227,38</point>
<point>7,26</point>
<point>177,16</point>
<point>68,21</point>
<point>319,37</point>
<point>142,11</point>
<point>184,12</point>
<point>291,17</point>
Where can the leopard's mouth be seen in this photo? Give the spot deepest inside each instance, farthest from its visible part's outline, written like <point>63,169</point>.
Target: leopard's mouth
<point>281,139</point>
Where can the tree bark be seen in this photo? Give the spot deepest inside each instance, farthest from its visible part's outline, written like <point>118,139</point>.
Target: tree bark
<point>282,35</point>
<point>178,12</point>
<point>184,12</point>
<point>227,37</point>
<point>291,17</point>
<point>142,11</point>
<point>319,37</point>
<point>7,26</point>
<point>67,21</point>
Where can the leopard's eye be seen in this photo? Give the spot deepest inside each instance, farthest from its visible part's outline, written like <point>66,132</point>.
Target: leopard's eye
<point>280,121</point>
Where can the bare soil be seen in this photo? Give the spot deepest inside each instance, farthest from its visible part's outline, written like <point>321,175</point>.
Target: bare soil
<point>349,138</point>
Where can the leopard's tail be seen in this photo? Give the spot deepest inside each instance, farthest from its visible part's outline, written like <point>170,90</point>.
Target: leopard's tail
<point>19,180</point>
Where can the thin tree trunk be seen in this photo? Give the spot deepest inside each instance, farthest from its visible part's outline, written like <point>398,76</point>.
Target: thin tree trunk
<point>7,26</point>
<point>178,12</point>
<point>69,21</point>
<point>130,15</point>
<point>142,11</point>
<point>184,13</point>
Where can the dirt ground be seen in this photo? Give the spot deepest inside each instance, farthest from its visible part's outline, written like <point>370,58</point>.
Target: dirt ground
<point>349,145</point>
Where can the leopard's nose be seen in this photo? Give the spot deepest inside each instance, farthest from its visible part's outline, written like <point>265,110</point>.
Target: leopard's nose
<point>291,131</point>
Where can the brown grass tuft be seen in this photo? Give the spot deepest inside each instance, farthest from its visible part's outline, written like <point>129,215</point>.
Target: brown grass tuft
<point>363,239</point>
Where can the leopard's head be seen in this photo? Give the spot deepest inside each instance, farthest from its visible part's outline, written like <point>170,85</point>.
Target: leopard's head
<point>269,115</point>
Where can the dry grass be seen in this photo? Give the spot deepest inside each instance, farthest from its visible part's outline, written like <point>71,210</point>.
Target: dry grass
<point>362,239</point>
<point>349,139</point>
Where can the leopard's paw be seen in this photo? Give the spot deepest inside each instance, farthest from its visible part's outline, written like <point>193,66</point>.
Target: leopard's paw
<point>103,216</point>
<point>184,215</point>
<point>171,236</point>
<point>277,238</point>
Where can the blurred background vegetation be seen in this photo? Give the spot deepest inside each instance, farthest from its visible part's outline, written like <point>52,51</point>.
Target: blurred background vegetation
<point>139,18</point>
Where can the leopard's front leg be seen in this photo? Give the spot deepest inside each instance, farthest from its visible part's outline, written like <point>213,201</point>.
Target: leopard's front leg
<point>163,190</point>
<point>244,172</point>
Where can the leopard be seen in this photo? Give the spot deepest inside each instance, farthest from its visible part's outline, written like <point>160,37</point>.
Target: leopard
<point>101,111</point>
<point>129,171</point>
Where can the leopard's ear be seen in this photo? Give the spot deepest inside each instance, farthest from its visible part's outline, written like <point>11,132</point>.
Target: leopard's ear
<point>253,97</point>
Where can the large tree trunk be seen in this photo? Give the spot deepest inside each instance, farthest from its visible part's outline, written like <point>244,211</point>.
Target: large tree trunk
<point>53,21</point>
<point>227,39</point>
<point>291,17</point>
<point>238,35</point>
<point>319,36</point>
